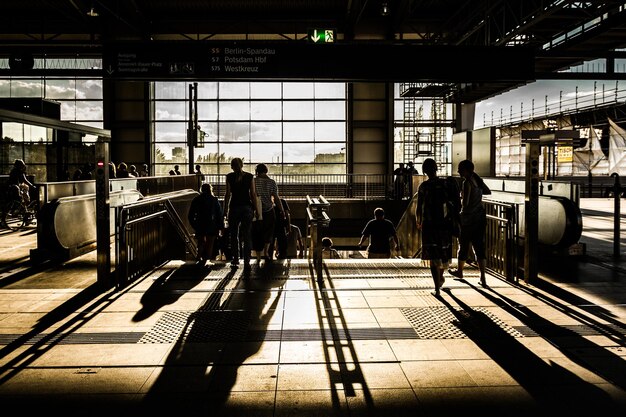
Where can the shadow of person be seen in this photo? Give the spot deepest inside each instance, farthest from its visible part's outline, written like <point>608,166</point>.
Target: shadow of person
<point>169,286</point>
<point>554,389</point>
<point>216,339</point>
<point>593,357</point>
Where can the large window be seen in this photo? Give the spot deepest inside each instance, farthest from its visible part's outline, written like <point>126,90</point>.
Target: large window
<point>293,127</point>
<point>80,102</point>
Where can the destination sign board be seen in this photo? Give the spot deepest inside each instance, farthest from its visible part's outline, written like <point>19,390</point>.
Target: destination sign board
<point>305,60</point>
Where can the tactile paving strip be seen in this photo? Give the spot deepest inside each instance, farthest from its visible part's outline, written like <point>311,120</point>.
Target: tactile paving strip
<point>442,323</point>
<point>199,326</point>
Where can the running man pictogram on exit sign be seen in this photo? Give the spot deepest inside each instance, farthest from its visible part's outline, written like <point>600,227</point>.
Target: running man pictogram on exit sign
<point>322,35</point>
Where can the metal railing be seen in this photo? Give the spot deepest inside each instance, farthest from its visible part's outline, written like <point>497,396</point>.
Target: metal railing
<point>317,218</point>
<point>358,186</point>
<point>151,232</point>
<point>501,238</point>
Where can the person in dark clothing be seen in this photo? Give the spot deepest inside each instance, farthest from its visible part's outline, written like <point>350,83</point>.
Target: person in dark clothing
<point>434,218</point>
<point>177,170</point>
<point>282,228</point>
<point>17,177</point>
<point>473,220</point>
<point>239,210</point>
<point>379,231</point>
<point>399,182</point>
<point>122,170</point>
<point>207,219</point>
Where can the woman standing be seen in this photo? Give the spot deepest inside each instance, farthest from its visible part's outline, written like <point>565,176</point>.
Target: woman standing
<point>267,190</point>
<point>239,210</point>
<point>433,215</point>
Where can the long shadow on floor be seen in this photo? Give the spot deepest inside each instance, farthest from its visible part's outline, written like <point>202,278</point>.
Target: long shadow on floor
<point>597,359</point>
<point>555,390</point>
<point>216,339</point>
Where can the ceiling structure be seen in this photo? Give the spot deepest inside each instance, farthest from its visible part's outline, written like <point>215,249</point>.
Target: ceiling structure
<point>562,33</point>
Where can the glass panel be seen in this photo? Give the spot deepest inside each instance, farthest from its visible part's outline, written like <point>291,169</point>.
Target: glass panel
<point>234,110</point>
<point>89,89</point>
<point>60,89</point>
<point>170,90</point>
<point>330,153</point>
<point>26,88</point>
<point>298,131</point>
<point>5,88</point>
<point>89,110</point>
<point>330,110</point>
<point>236,150</point>
<point>234,132</point>
<point>298,90</point>
<point>170,110</point>
<point>303,152</point>
<point>170,131</point>
<point>298,169</point>
<point>298,110</point>
<point>207,110</point>
<point>35,134</point>
<point>206,154</point>
<point>265,153</point>
<point>68,110</point>
<point>234,90</point>
<point>330,169</point>
<point>266,131</point>
<point>210,132</point>
<point>266,110</point>
<point>265,90</point>
<point>207,90</point>
<point>330,90</point>
<point>330,131</point>
<point>14,131</point>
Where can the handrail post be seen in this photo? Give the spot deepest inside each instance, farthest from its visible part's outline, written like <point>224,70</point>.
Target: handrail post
<point>617,191</point>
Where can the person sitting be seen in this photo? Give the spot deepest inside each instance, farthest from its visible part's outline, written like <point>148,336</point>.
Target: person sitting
<point>17,177</point>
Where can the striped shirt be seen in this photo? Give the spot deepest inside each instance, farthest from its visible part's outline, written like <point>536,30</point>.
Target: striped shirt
<point>265,188</point>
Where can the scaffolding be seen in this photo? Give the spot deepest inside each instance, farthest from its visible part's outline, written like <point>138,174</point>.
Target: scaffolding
<point>423,138</point>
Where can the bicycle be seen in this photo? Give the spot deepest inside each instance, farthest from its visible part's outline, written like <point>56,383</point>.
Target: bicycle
<point>17,214</point>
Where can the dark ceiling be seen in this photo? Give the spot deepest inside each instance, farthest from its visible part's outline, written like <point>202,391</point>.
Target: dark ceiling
<point>578,30</point>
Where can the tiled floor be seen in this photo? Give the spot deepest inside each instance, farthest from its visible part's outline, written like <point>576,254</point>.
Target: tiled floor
<point>368,339</point>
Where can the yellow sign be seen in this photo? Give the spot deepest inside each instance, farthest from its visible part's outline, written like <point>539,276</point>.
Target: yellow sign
<point>565,153</point>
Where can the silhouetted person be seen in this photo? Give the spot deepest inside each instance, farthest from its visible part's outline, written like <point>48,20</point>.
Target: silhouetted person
<point>434,202</point>
<point>328,252</point>
<point>207,219</point>
<point>379,231</point>
<point>239,210</point>
<point>177,170</point>
<point>267,190</point>
<point>473,220</point>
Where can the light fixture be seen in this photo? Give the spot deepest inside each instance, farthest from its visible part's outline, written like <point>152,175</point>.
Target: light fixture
<point>384,9</point>
<point>92,12</point>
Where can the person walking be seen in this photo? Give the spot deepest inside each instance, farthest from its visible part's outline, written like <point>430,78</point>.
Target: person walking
<point>473,220</point>
<point>267,190</point>
<point>433,216</point>
<point>207,219</point>
<point>282,228</point>
<point>380,232</point>
<point>239,210</point>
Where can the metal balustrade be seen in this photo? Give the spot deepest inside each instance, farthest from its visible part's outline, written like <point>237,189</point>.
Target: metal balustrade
<point>151,232</point>
<point>358,186</point>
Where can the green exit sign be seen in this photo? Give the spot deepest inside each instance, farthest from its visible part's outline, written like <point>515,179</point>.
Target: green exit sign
<point>322,35</point>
